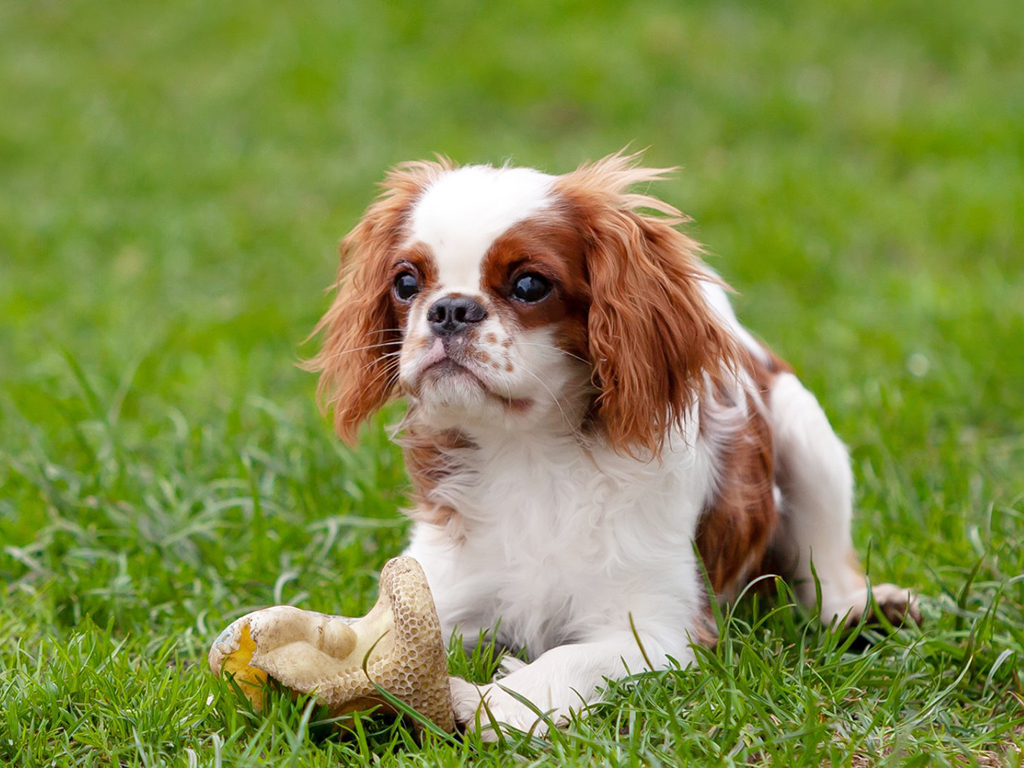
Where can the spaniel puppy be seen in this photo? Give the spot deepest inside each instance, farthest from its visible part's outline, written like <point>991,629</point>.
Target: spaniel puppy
<point>584,411</point>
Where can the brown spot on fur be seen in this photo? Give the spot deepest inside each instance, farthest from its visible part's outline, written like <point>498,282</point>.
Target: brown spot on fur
<point>552,247</point>
<point>509,367</point>
<point>491,338</point>
<point>765,373</point>
<point>706,631</point>
<point>467,348</point>
<point>736,529</point>
<point>429,460</point>
<point>421,259</point>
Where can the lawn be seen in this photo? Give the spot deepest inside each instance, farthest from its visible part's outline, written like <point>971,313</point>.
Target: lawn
<point>174,179</point>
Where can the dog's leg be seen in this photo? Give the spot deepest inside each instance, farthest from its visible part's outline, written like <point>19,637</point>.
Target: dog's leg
<point>813,471</point>
<point>562,679</point>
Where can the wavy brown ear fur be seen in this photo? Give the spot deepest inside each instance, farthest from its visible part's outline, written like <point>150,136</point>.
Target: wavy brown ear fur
<point>357,368</point>
<point>652,335</point>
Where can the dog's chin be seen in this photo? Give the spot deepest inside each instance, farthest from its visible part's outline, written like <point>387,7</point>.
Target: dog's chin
<point>448,383</point>
<point>449,395</point>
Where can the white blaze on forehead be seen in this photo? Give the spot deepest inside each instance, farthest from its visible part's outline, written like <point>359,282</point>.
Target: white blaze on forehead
<point>465,210</point>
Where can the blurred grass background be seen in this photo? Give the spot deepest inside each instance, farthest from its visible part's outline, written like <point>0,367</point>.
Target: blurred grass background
<point>174,179</point>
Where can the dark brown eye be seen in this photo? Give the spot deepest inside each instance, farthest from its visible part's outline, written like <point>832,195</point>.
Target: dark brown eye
<point>406,286</point>
<point>530,288</point>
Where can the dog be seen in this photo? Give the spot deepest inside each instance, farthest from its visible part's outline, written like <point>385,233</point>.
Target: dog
<point>586,417</point>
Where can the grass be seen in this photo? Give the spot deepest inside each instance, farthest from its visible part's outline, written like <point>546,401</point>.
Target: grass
<point>174,178</point>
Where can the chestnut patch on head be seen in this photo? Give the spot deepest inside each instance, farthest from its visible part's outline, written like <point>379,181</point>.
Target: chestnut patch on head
<point>413,274</point>
<point>536,274</point>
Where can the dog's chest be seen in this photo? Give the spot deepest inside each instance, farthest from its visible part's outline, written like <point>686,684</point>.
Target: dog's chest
<point>556,541</point>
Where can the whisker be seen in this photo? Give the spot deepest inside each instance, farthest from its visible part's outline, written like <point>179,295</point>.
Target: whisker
<point>388,370</point>
<point>392,380</point>
<point>341,352</point>
<point>378,359</point>
<point>555,398</point>
<point>556,349</point>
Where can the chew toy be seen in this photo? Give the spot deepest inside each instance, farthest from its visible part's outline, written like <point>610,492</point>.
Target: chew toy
<point>398,645</point>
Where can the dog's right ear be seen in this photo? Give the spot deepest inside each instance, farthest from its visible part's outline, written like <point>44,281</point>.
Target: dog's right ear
<point>357,371</point>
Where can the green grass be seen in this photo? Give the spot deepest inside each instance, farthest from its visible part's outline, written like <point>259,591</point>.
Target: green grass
<point>174,178</point>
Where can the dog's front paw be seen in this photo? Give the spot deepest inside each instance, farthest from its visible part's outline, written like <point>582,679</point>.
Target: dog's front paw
<point>895,603</point>
<point>482,707</point>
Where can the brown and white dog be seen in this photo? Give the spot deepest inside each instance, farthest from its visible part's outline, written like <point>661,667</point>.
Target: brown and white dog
<point>583,407</point>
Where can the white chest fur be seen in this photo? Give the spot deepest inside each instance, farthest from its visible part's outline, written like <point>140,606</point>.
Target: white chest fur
<point>561,542</point>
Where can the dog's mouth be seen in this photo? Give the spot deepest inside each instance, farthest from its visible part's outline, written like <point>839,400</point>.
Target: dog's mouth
<point>446,369</point>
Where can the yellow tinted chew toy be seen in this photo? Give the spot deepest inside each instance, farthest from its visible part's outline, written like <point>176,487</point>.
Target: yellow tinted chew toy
<point>399,642</point>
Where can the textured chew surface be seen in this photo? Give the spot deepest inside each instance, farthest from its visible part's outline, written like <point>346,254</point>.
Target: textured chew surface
<point>399,641</point>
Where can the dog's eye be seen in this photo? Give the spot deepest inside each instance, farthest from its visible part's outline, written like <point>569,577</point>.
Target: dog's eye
<point>406,286</point>
<point>530,288</point>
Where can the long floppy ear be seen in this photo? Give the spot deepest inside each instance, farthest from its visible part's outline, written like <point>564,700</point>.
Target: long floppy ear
<point>654,342</point>
<point>358,363</point>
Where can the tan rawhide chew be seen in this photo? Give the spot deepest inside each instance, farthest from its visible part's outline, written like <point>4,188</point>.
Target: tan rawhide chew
<point>399,640</point>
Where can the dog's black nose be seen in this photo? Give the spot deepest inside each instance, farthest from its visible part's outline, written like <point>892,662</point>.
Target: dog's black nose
<point>454,314</point>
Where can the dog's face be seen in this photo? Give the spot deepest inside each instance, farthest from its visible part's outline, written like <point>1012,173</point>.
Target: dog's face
<point>489,289</point>
<point>508,299</point>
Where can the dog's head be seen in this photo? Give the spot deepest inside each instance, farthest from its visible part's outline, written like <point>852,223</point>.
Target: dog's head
<point>508,299</point>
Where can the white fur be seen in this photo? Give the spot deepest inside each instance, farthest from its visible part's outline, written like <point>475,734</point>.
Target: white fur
<point>466,210</point>
<point>564,546</point>
<point>815,470</point>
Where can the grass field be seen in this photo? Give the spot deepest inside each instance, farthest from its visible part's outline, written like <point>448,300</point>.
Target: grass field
<point>174,179</point>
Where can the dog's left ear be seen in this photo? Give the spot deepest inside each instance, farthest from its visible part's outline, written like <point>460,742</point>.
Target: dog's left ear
<point>654,342</point>
<point>358,363</point>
